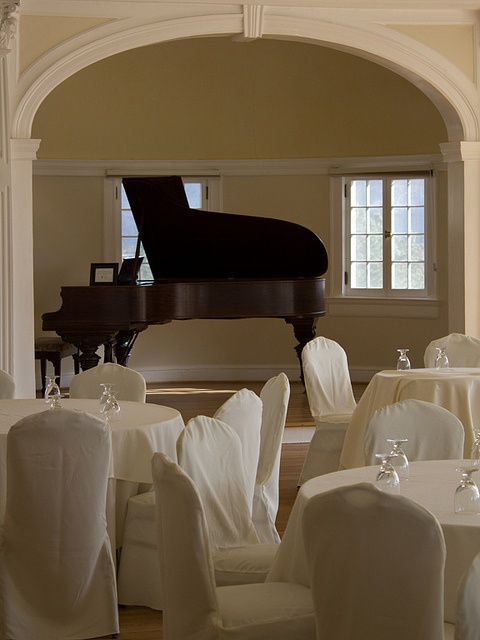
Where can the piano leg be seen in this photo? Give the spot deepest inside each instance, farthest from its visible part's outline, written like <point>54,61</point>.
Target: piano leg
<point>304,329</point>
<point>124,341</point>
<point>87,349</point>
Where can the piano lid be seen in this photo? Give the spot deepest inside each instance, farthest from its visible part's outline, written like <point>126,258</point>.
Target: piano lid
<point>190,244</point>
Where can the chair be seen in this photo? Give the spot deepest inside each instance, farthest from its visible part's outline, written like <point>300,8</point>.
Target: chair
<point>243,412</point>
<point>467,626</point>
<point>376,564</point>
<point>194,607</point>
<point>331,400</point>
<point>275,396</point>
<point>210,452</point>
<point>462,351</point>
<point>129,384</point>
<point>433,432</point>
<point>53,349</point>
<point>58,574</point>
<point>7,385</point>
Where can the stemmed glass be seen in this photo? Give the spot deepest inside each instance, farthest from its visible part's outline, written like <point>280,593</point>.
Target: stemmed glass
<point>52,392</point>
<point>107,391</point>
<point>108,403</point>
<point>467,495</point>
<point>441,361</point>
<point>403,363</point>
<point>475,451</point>
<point>387,478</point>
<point>400,460</point>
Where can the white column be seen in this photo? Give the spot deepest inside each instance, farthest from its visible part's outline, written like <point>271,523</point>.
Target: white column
<point>6,362</point>
<point>463,163</point>
<point>21,278</point>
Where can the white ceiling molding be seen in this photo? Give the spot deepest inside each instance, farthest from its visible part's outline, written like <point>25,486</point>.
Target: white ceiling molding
<point>252,23</point>
<point>8,21</point>
<point>451,91</point>
<point>266,167</point>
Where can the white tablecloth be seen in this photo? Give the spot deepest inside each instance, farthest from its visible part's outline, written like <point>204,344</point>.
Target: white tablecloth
<point>458,390</point>
<point>141,429</point>
<point>432,484</point>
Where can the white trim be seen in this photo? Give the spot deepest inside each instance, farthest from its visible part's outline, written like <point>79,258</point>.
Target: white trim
<point>383,307</point>
<point>203,374</point>
<point>225,374</point>
<point>213,168</point>
<point>454,94</point>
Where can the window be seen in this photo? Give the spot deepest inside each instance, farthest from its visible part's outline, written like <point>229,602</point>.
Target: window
<point>387,236</point>
<point>196,190</point>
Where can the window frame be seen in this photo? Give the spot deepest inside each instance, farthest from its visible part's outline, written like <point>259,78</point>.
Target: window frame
<point>343,300</point>
<point>112,248</point>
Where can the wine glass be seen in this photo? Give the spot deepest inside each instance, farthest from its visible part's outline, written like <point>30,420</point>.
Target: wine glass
<point>110,407</point>
<point>475,451</point>
<point>467,495</point>
<point>403,363</point>
<point>107,391</point>
<point>387,478</point>
<point>441,361</point>
<point>400,460</point>
<point>52,392</point>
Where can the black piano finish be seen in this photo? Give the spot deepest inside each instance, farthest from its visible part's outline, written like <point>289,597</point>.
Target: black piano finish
<point>204,265</point>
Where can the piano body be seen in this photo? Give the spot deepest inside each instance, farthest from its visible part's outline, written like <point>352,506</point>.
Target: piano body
<point>205,265</point>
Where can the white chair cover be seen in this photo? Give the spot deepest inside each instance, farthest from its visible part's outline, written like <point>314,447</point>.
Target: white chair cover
<point>129,384</point>
<point>243,412</point>
<point>376,564</point>
<point>433,432</point>
<point>275,395</point>
<point>468,607</point>
<point>194,608</point>
<point>331,400</point>
<point>211,453</point>
<point>462,351</point>
<point>7,385</point>
<point>58,574</point>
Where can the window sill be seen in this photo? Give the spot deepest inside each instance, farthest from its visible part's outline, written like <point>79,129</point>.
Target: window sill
<point>386,307</point>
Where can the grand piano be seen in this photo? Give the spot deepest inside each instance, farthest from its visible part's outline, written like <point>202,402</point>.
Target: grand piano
<point>205,265</point>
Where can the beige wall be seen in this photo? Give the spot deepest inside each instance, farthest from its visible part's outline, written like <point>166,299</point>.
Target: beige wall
<point>213,98</point>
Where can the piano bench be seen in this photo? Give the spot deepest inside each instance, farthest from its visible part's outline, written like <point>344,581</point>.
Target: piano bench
<point>54,349</point>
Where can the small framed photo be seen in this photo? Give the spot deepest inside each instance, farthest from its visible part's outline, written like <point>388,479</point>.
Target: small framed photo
<point>103,273</point>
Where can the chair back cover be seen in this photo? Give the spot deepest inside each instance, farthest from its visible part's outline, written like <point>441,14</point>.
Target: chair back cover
<point>433,432</point>
<point>462,351</point>
<point>186,566</point>
<point>275,395</point>
<point>376,565</point>
<point>129,384</point>
<point>243,412</point>
<point>327,379</point>
<point>210,452</point>
<point>7,385</point>
<point>468,609</point>
<point>58,574</point>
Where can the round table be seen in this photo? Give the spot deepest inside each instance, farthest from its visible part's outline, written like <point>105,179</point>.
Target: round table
<point>432,484</point>
<point>141,429</point>
<point>456,389</point>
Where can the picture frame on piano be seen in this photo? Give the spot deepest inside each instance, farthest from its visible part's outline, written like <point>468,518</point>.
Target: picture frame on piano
<point>103,273</point>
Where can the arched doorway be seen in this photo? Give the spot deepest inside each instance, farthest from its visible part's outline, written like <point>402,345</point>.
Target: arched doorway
<point>455,99</point>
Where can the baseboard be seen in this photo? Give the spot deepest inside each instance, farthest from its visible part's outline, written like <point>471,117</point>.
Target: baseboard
<point>218,374</point>
<point>226,373</point>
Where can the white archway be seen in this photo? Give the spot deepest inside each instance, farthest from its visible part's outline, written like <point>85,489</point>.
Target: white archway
<point>452,92</point>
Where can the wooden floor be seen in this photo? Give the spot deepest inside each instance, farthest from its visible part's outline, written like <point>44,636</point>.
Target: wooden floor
<point>139,623</point>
